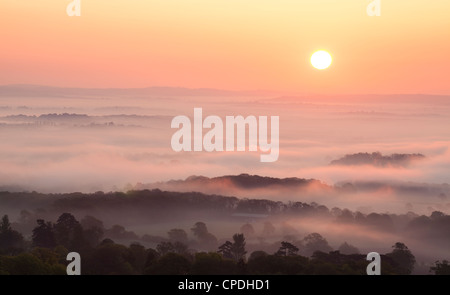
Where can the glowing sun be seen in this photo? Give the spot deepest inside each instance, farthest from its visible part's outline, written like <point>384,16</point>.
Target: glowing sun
<point>321,60</point>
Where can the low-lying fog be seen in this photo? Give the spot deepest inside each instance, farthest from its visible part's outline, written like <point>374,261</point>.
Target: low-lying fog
<point>82,141</point>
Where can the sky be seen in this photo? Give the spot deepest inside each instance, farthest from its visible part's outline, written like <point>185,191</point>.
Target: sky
<point>123,138</point>
<point>233,45</point>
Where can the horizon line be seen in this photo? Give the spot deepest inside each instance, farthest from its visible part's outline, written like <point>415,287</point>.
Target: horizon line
<point>232,91</point>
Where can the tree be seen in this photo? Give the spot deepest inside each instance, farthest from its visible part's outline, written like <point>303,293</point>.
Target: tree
<point>238,248</point>
<point>348,249</point>
<point>212,264</point>
<point>287,249</point>
<point>257,254</point>
<point>346,216</point>
<point>436,215</point>
<point>180,248</point>
<point>138,257</point>
<point>168,247</point>
<point>89,222</point>
<point>110,259</point>
<point>225,250</point>
<point>403,258</point>
<point>93,236</point>
<point>206,239</point>
<point>441,268</point>
<point>68,232</point>
<point>170,264</point>
<point>106,241</point>
<point>315,242</point>
<point>5,225</point>
<point>247,230</point>
<point>93,230</point>
<point>25,217</point>
<point>28,264</point>
<point>199,230</point>
<point>51,256</point>
<point>152,257</point>
<point>10,239</point>
<point>164,247</point>
<point>268,229</point>
<point>178,235</point>
<point>118,232</point>
<point>235,250</point>
<point>43,235</point>
<point>263,264</point>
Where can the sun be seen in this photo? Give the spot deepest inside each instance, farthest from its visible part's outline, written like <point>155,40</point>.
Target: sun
<point>321,60</point>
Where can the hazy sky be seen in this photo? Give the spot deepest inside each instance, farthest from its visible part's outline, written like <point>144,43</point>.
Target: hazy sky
<point>233,44</point>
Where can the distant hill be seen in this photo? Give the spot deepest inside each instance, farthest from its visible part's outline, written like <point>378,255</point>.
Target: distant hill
<point>23,90</point>
<point>247,181</point>
<point>377,159</point>
<point>379,98</point>
<point>241,185</point>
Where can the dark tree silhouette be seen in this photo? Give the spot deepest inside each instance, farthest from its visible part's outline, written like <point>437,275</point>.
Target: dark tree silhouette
<point>10,239</point>
<point>5,225</point>
<point>68,232</point>
<point>93,230</point>
<point>89,222</point>
<point>212,264</point>
<point>315,242</point>
<point>138,257</point>
<point>43,235</point>
<point>170,264</point>
<point>111,259</point>
<point>235,250</point>
<point>403,257</point>
<point>28,264</point>
<point>287,249</point>
<point>348,249</point>
<point>238,248</point>
<point>225,249</point>
<point>199,230</point>
<point>178,235</point>
<point>164,247</point>
<point>441,268</point>
<point>257,254</point>
<point>264,264</point>
<point>118,232</point>
<point>180,248</point>
<point>152,257</point>
<point>206,239</point>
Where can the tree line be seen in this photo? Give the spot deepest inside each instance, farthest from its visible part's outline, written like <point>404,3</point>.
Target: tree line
<point>46,251</point>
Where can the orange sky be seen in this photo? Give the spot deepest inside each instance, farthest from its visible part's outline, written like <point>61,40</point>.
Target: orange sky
<point>232,44</point>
